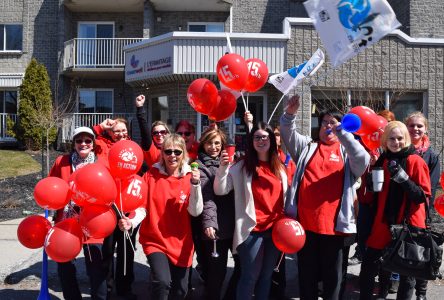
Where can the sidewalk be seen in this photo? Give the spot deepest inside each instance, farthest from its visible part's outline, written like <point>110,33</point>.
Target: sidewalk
<point>20,271</point>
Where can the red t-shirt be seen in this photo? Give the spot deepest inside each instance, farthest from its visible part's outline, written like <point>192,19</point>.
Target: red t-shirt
<point>418,172</point>
<point>321,189</point>
<point>268,197</point>
<point>152,155</point>
<point>167,227</point>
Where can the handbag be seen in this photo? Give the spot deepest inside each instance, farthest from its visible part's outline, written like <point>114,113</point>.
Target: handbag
<point>413,251</point>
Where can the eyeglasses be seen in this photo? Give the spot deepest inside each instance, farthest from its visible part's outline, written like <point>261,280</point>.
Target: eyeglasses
<point>258,138</point>
<point>120,132</point>
<point>185,133</point>
<point>86,141</point>
<point>160,132</point>
<point>169,152</point>
<point>326,123</point>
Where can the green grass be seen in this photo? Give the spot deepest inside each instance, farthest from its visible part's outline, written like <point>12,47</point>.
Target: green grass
<point>17,163</point>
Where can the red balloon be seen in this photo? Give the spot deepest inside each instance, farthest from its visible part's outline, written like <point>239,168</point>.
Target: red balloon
<point>125,158</point>
<point>52,193</point>
<point>64,241</point>
<point>368,118</point>
<point>232,71</point>
<point>202,95</point>
<point>226,106</point>
<point>78,197</point>
<point>131,193</point>
<point>97,221</point>
<point>372,141</point>
<point>257,75</point>
<point>32,231</point>
<point>95,184</point>
<point>288,235</point>
<point>439,205</point>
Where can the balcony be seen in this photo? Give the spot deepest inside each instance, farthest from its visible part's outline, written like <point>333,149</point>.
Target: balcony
<point>91,57</point>
<point>189,55</point>
<point>104,5</point>
<point>72,121</point>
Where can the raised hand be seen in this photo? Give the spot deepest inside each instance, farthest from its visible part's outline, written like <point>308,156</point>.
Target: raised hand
<point>140,100</point>
<point>224,158</point>
<point>107,124</point>
<point>293,105</point>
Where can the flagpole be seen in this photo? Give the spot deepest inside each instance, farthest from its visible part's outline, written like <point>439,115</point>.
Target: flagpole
<point>44,293</point>
<point>274,110</point>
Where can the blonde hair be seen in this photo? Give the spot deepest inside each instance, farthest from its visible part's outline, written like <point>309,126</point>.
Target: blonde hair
<point>417,114</point>
<point>178,141</point>
<point>388,130</point>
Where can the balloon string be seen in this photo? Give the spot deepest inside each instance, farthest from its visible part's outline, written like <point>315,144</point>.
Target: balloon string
<point>279,263</point>
<point>248,95</point>
<point>274,110</point>
<point>124,235</point>
<point>243,100</point>
<point>126,231</point>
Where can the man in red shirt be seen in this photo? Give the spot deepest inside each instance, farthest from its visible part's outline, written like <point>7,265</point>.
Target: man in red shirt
<point>322,196</point>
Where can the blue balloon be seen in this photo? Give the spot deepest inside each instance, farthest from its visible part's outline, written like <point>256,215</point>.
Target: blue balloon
<point>351,122</point>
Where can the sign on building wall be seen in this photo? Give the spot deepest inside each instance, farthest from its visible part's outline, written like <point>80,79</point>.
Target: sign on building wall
<point>143,63</point>
<point>346,27</point>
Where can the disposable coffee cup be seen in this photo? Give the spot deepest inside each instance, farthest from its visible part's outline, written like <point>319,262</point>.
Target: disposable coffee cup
<point>378,179</point>
<point>230,148</point>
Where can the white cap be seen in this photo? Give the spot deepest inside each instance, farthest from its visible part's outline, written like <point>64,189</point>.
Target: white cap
<point>83,129</point>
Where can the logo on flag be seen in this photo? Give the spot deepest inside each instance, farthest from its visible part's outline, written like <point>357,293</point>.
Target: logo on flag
<point>346,27</point>
<point>292,77</point>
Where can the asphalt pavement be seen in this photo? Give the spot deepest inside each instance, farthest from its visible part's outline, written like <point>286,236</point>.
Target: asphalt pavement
<point>21,271</point>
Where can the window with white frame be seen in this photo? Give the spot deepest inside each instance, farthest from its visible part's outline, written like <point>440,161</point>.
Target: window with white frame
<point>11,37</point>
<point>206,26</point>
<point>8,102</point>
<point>95,101</point>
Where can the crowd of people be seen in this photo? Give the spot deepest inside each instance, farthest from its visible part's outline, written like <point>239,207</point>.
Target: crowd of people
<point>224,207</point>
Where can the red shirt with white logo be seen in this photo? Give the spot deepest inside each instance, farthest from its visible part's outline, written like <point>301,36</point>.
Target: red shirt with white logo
<point>167,227</point>
<point>268,197</point>
<point>320,190</point>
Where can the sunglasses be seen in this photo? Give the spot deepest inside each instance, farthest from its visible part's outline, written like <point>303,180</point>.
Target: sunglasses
<point>170,152</point>
<point>86,141</point>
<point>185,133</point>
<point>160,132</point>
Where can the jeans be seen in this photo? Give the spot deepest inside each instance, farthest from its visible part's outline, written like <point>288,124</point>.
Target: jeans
<point>258,256</point>
<point>95,270</point>
<point>320,259</point>
<point>122,282</point>
<point>168,281</point>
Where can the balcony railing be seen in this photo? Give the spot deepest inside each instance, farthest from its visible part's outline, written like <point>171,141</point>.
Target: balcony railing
<point>96,53</point>
<point>72,121</point>
<point>4,136</point>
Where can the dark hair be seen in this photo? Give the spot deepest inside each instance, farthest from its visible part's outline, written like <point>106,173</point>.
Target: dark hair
<point>330,112</point>
<point>251,158</point>
<point>186,124</point>
<point>210,134</point>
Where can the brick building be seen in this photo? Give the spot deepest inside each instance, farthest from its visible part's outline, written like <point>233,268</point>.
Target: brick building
<point>84,43</point>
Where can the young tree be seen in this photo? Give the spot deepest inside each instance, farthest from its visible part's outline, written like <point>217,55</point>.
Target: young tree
<point>35,110</point>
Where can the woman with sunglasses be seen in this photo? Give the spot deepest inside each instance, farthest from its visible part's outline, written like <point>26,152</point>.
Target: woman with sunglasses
<point>82,154</point>
<point>187,130</point>
<point>151,142</point>
<point>174,193</point>
<point>259,182</point>
<point>217,219</point>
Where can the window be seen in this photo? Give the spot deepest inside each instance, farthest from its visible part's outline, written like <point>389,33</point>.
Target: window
<point>8,102</point>
<point>403,104</point>
<point>158,107</point>
<point>95,101</point>
<point>11,37</point>
<point>95,44</point>
<point>206,27</point>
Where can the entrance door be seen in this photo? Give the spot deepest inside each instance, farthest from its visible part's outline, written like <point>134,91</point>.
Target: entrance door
<point>95,44</point>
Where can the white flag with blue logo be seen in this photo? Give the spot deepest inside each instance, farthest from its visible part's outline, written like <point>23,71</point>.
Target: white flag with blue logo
<point>346,27</point>
<point>292,77</point>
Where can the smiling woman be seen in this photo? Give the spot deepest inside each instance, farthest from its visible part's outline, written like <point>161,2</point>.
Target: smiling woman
<point>17,163</point>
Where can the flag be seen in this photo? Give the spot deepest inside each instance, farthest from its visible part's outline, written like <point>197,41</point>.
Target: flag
<point>292,77</point>
<point>347,27</point>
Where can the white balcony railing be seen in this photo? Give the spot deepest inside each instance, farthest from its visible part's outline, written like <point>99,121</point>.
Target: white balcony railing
<point>96,53</point>
<point>4,125</point>
<point>72,121</point>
